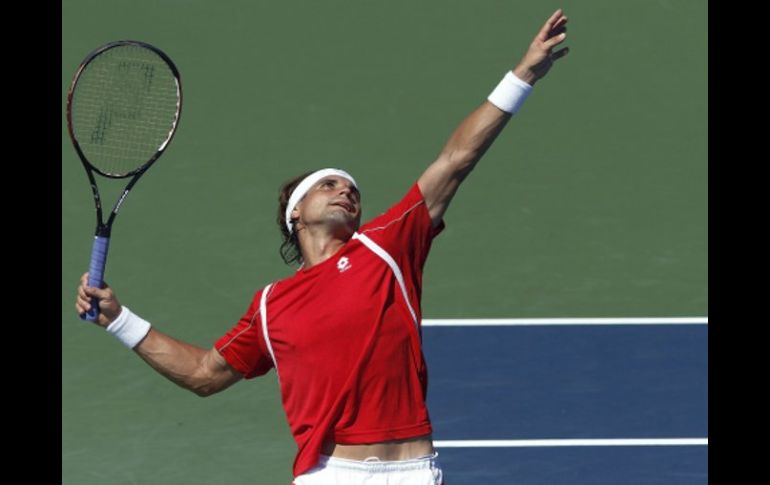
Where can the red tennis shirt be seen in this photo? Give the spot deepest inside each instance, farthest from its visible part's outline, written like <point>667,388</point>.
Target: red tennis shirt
<point>345,339</point>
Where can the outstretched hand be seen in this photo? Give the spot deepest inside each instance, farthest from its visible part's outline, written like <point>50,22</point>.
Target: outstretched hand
<point>540,56</point>
<point>109,306</point>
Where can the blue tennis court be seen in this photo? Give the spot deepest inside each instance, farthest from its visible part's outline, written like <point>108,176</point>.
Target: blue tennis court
<point>546,394</point>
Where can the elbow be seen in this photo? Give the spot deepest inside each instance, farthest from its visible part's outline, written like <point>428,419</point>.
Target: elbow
<point>203,391</point>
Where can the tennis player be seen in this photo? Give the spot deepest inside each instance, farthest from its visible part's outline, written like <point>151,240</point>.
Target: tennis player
<point>343,332</point>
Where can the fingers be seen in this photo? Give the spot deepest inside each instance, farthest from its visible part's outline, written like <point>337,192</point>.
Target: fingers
<point>557,30</point>
<point>559,27</point>
<point>103,298</point>
<point>82,292</point>
<point>82,308</point>
<point>85,294</point>
<point>83,301</point>
<point>555,20</point>
<point>554,41</point>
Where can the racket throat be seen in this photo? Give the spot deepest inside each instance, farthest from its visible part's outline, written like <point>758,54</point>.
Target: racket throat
<point>103,230</point>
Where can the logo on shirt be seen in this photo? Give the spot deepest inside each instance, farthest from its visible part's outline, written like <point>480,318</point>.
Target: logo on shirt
<point>343,264</point>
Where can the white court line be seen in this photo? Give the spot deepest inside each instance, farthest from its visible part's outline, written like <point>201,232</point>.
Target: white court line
<point>575,442</point>
<point>474,322</point>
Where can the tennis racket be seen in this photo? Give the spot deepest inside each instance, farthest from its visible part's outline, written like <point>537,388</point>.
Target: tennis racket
<point>123,108</point>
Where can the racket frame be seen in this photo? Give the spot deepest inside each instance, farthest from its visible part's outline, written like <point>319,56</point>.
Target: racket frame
<point>104,229</point>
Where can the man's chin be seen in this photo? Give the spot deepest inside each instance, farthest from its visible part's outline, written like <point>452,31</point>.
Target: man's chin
<point>343,223</point>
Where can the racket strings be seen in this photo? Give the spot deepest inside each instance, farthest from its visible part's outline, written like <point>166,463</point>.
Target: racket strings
<point>124,108</point>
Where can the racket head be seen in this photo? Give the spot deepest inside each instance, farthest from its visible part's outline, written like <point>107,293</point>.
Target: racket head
<point>123,107</point>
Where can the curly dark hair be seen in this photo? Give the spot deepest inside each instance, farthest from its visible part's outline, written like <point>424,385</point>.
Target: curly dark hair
<point>290,251</point>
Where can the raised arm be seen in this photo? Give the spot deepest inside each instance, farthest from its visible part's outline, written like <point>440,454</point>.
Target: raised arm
<point>201,371</point>
<point>473,137</point>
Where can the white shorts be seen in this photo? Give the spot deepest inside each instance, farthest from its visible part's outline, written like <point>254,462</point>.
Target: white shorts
<point>337,471</point>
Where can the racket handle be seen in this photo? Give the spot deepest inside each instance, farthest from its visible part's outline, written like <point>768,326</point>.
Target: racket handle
<point>96,273</point>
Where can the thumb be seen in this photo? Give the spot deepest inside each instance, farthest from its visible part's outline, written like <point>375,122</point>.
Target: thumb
<point>100,293</point>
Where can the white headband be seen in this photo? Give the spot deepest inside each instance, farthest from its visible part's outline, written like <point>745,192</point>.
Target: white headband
<point>307,183</point>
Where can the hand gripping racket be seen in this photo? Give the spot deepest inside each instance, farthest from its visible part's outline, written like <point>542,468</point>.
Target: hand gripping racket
<point>123,108</point>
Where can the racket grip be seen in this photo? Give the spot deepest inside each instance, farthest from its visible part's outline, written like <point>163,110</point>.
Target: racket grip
<point>96,273</point>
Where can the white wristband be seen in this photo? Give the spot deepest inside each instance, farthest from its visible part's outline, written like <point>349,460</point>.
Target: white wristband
<point>129,328</point>
<point>510,94</point>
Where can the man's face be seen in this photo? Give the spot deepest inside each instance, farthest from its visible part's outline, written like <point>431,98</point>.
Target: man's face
<point>333,200</point>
